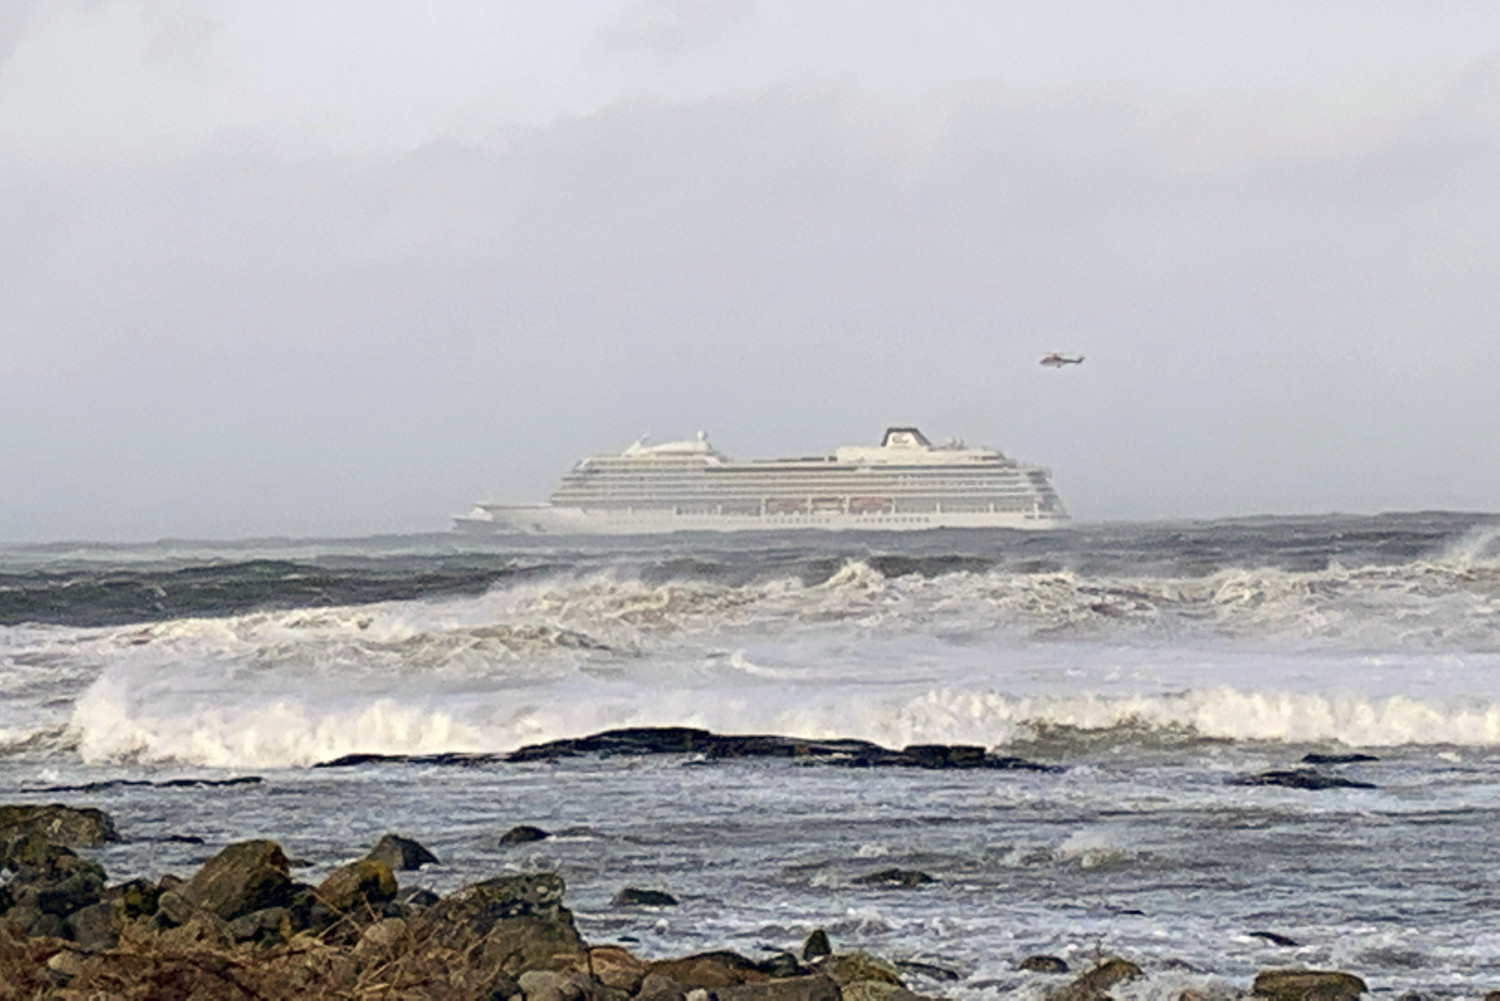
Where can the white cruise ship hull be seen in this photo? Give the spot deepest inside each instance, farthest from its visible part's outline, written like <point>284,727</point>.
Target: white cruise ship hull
<point>904,484</point>
<point>544,519</point>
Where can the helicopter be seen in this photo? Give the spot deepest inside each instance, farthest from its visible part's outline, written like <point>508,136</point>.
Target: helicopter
<point>1055,360</point>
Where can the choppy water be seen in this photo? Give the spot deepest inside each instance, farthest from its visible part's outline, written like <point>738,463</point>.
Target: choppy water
<point>1154,662</point>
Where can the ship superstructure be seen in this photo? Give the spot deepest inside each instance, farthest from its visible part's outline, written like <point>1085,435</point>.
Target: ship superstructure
<point>904,483</point>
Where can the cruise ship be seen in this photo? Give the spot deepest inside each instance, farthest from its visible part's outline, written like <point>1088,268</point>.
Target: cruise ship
<point>905,483</point>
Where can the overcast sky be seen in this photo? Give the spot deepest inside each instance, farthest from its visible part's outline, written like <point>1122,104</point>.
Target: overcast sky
<point>346,266</point>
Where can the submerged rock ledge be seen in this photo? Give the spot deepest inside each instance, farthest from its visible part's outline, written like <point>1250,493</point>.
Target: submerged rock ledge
<point>640,741</point>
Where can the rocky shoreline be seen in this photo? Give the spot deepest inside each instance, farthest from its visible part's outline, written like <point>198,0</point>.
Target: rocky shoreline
<point>242,927</point>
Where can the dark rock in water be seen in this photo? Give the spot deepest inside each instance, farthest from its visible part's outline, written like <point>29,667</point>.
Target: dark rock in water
<point>945,755</point>
<point>1299,778</point>
<point>61,825</point>
<point>183,839</point>
<point>718,747</point>
<point>1336,759</point>
<point>358,887</point>
<point>191,783</point>
<point>1308,985</point>
<point>1097,982</point>
<point>709,970</point>
<point>803,988</point>
<point>401,853</point>
<point>456,758</point>
<point>522,834</point>
<point>1275,938</point>
<point>928,970</point>
<point>246,876</point>
<point>817,946</point>
<point>634,897</point>
<point>906,878</point>
<point>1043,964</point>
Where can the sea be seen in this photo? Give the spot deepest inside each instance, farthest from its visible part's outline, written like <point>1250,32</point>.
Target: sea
<point>1155,665</point>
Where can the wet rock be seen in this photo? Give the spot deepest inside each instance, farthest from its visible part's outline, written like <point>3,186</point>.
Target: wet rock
<point>805,988</point>
<point>1336,759</point>
<point>401,854</point>
<point>617,967</point>
<point>61,825</point>
<point>817,946</point>
<point>358,887</point>
<point>1308,985</point>
<point>1043,964</point>
<point>719,747</point>
<point>523,834</point>
<point>202,930</point>
<point>1275,939</point>
<point>1300,778</point>
<point>634,897</point>
<point>96,927</point>
<point>244,877</point>
<point>709,970</point>
<point>928,970</point>
<point>1096,983</point>
<point>850,967</point>
<point>905,878</point>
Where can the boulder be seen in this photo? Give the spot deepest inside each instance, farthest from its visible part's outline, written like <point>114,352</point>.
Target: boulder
<point>136,899</point>
<point>805,988</point>
<point>930,970</point>
<point>95,927</point>
<point>523,834</point>
<point>515,923</point>
<point>634,897</point>
<point>401,854</point>
<point>783,964</point>
<point>1043,964</point>
<point>268,926</point>
<point>905,878</point>
<point>851,967</point>
<point>1096,983</point>
<point>655,987</point>
<point>816,946</point>
<point>614,966</point>
<point>709,970</point>
<point>1308,985</point>
<point>383,936</point>
<point>61,825</point>
<point>172,909</point>
<point>244,877</point>
<point>359,886</point>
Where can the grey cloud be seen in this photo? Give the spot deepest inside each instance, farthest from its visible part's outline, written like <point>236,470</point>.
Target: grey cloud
<point>668,29</point>
<point>15,17</point>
